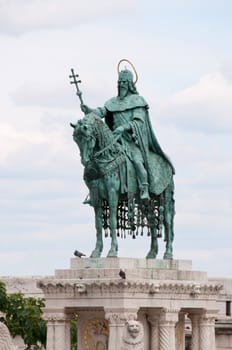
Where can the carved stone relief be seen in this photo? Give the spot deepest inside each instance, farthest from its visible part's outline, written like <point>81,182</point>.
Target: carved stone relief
<point>133,336</point>
<point>95,334</point>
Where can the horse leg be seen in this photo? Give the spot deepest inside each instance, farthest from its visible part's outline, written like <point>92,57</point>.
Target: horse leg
<point>154,244</point>
<point>96,253</point>
<point>113,252</point>
<point>169,211</point>
<point>113,188</point>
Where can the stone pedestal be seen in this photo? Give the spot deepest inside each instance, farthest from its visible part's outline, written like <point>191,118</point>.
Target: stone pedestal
<point>158,293</point>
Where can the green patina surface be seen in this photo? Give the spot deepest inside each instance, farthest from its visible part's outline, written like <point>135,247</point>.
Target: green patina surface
<point>130,178</point>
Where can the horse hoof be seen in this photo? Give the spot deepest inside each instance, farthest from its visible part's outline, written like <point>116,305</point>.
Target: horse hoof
<point>151,255</point>
<point>168,256</point>
<point>95,254</point>
<point>112,254</point>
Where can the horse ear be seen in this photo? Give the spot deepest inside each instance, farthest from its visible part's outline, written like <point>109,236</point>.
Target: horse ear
<point>72,125</point>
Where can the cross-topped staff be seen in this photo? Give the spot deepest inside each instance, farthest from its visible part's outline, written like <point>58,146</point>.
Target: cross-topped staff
<point>76,82</point>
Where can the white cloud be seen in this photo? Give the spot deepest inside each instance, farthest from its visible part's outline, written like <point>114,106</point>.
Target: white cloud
<point>18,16</point>
<point>204,260</point>
<point>205,106</point>
<point>11,141</point>
<point>38,94</point>
<point>17,144</point>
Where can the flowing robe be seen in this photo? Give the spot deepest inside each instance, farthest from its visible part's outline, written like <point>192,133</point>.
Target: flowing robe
<point>138,140</point>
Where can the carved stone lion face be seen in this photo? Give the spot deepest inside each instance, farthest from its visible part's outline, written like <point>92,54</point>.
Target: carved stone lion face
<point>133,328</point>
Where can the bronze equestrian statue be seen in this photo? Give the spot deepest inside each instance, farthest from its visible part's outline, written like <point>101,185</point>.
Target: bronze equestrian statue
<point>130,178</point>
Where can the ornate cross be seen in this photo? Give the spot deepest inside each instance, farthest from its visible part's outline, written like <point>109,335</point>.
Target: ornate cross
<point>76,82</point>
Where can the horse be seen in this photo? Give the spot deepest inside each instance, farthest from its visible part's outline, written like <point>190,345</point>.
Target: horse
<point>113,191</point>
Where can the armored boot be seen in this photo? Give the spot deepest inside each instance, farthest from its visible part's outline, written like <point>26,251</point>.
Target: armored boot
<point>144,194</point>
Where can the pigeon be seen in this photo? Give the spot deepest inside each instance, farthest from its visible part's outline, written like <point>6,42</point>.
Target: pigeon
<point>78,254</point>
<point>122,274</point>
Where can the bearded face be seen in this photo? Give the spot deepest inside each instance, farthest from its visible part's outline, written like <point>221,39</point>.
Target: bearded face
<point>123,88</point>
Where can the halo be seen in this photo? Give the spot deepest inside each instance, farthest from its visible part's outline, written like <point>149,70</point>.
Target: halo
<point>134,70</point>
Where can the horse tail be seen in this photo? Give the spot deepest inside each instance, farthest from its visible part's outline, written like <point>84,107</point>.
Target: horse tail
<point>169,211</point>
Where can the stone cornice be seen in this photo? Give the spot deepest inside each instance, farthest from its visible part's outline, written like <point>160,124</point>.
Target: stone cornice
<point>75,288</point>
<point>56,316</point>
<point>223,331</point>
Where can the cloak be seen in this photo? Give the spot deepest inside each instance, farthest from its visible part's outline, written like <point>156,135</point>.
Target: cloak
<point>133,101</point>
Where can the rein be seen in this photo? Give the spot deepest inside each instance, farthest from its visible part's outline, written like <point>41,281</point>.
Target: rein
<point>107,147</point>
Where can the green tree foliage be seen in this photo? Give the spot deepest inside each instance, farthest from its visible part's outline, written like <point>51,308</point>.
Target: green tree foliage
<point>73,332</point>
<point>23,316</point>
<point>3,297</point>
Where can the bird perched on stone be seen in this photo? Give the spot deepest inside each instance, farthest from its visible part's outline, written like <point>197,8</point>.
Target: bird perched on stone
<point>122,274</point>
<point>78,254</point>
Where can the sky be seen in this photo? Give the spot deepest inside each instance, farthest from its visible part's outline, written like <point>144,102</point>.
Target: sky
<point>182,52</point>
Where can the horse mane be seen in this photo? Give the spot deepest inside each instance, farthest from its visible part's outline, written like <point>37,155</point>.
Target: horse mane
<point>104,136</point>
